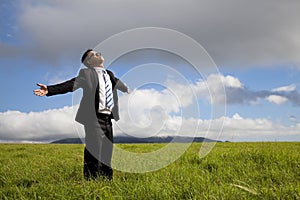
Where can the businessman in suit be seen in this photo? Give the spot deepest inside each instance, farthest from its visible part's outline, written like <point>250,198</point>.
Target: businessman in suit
<point>99,104</point>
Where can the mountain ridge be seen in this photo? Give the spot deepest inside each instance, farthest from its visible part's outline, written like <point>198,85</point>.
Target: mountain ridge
<point>129,140</point>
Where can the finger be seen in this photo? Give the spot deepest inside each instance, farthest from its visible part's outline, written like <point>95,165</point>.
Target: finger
<point>39,94</point>
<point>41,85</point>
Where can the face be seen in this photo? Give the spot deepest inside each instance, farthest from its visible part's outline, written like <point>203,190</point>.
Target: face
<point>94,59</point>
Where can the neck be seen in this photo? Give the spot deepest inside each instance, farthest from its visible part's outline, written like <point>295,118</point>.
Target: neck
<point>101,66</point>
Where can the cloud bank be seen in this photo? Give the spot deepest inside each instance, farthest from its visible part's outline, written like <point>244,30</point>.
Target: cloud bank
<point>37,126</point>
<point>236,33</point>
<point>236,92</point>
<point>150,112</point>
<point>57,124</point>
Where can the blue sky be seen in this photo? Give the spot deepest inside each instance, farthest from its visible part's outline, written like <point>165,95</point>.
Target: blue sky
<point>255,50</point>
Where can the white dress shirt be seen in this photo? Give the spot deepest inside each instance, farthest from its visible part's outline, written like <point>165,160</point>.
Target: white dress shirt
<point>102,93</point>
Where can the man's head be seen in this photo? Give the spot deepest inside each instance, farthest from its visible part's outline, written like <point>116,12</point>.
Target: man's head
<point>91,58</point>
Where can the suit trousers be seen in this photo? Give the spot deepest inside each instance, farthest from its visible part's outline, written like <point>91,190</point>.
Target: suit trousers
<point>98,148</point>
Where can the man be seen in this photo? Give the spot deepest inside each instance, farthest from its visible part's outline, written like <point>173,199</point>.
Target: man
<point>99,104</point>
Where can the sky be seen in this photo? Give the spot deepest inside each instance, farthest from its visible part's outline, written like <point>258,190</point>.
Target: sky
<point>243,86</point>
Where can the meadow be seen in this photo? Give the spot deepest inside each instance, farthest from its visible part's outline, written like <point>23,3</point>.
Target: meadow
<point>230,171</point>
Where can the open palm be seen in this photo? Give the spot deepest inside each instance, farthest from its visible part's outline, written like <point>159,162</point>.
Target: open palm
<point>42,91</point>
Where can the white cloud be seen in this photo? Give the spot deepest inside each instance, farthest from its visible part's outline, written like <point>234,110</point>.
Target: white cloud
<point>276,99</point>
<point>214,87</point>
<point>238,128</point>
<point>227,81</point>
<point>288,88</point>
<point>229,89</point>
<point>45,125</point>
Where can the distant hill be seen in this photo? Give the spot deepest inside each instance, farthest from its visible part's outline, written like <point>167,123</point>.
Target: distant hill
<point>127,139</point>
<point>69,141</point>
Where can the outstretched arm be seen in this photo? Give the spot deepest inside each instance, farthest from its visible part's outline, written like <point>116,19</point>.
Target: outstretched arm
<point>121,86</point>
<point>117,83</point>
<point>61,88</point>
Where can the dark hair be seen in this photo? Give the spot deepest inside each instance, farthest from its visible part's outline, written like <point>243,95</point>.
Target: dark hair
<point>85,55</point>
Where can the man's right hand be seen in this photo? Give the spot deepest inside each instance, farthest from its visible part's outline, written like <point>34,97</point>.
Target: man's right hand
<point>42,91</point>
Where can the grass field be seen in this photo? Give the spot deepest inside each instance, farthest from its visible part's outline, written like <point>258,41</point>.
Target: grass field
<point>230,171</point>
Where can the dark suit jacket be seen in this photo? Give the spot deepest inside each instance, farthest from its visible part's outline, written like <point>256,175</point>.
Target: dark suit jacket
<point>89,82</point>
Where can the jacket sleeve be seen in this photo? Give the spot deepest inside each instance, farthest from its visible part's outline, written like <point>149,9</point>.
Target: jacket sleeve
<point>61,88</point>
<point>67,86</point>
<point>117,83</point>
<point>120,85</point>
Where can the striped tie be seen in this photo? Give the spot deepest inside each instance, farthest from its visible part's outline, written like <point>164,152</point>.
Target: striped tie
<point>108,91</point>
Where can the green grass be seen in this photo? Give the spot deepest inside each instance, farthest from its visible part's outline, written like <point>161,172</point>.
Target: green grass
<point>230,171</point>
